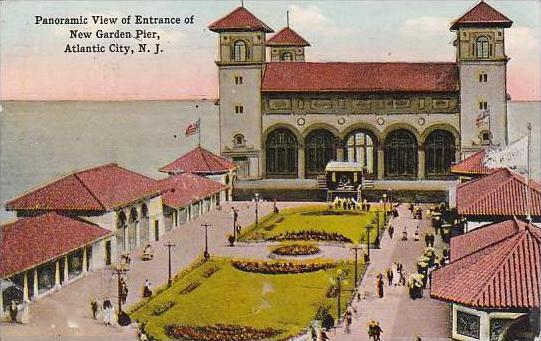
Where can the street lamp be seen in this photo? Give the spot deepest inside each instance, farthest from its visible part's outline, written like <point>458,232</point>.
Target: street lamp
<point>384,208</point>
<point>235,218</point>
<point>356,248</point>
<point>206,254</point>
<point>169,245</point>
<point>256,200</point>
<point>368,227</point>
<point>338,280</point>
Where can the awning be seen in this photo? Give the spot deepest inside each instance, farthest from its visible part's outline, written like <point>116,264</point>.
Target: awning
<point>335,166</point>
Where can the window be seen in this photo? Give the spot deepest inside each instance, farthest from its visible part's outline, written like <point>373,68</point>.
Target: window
<point>238,80</point>
<point>286,57</point>
<point>281,151</point>
<point>240,52</point>
<point>483,77</point>
<point>482,47</point>
<point>468,324</point>
<point>439,152</point>
<point>239,109</point>
<point>360,147</point>
<point>238,140</point>
<point>320,149</point>
<point>401,154</point>
<point>485,137</point>
<point>483,105</point>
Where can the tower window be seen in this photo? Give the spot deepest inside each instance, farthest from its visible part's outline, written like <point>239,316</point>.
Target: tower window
<point>240,52</point>
<point>286,57</point>
<point>483,77</point>
<point>238,80</point>
<point>238,140</point>
<point>483,105</point>
<point>239,109</point>
<point>485,137</point>
<point>482,47</point>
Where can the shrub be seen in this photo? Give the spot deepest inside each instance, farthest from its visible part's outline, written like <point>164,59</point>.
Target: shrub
<point>312,235</point>
<point>296,250</point>
<point>162,308</point>
<point>210,271</point>
<point>219,332</point>
<point>280,267</point>
<point>189,288</point>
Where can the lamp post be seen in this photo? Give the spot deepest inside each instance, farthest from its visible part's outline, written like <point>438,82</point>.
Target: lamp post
<point>356,248</point>
<point>385,208</point>
<point>256,200</point>
<point>338,280</point>
<point>368,227</point>
<point>235,218</point>
<point>169,245</point>
<point>206,254</point>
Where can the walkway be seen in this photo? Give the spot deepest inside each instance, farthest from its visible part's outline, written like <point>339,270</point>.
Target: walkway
<point>400,317</point>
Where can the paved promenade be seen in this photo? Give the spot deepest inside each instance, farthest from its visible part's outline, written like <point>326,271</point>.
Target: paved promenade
<point>400,317</point>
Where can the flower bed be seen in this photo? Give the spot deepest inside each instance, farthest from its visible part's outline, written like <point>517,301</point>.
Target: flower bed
<point>312,235</point>
<point>280,267</point>
<point>189,288</point>
<point>296,250</point>
<point>162,308</point>
<point>219,332</point>
<point>210,271</point>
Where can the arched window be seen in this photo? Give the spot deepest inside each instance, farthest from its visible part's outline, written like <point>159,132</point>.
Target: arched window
<point>482,47</point>
<point>132,227</point>
<point>145,223</point>
<point>281,152</point>
<point>238,140</point>
<point>120,227</point>
<point>320,149</point>
<point>240,52</point>
<point>361,147</point>
<point>439,152</point>
<point>401,154</point>
<point>287,57</point>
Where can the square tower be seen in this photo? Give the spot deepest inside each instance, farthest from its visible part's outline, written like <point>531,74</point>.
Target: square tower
<point>482,63</point>
<point>240,63</point>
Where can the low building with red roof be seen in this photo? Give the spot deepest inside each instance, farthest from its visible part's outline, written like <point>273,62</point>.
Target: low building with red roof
<point>186,196</point>
<point>498,196</point>
<point>40,254</point>
<point>472,166</point>
<point>202,162</point>
<point>288,117</point>
<point>492,280</point>
<point>118,199</point>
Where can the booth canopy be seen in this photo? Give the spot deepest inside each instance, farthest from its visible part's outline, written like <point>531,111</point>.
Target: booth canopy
<point>336,166</point>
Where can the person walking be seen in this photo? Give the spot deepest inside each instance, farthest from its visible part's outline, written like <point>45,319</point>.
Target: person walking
<point>371,335</point>
<point>13,310</point>
<point>94,307</point>
<point>391,231</point>
<point>431,240</point>
<point>107,312</point>
<point>427,239</point>
<point>390,276</point>
<point>379,285</point>
<point>377,332</point>
<point>147,289</point>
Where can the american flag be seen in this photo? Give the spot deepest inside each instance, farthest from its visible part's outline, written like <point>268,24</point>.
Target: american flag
<point>192,128</point>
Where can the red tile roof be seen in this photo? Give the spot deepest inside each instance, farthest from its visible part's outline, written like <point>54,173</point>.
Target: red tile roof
<point>199,161</point>
<point>287,37</point>
<point>360,77</point>
<point>29,242</point>
<point>183,189</point>
<point>239,20</point>
<point>96,189</point>
<point>473,165</point>
<point>498,273</point>
<point>482,14</point>
<point>501,193</point>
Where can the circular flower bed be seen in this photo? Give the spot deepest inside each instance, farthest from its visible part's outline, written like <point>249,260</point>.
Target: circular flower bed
<point>219,332</point>
<point>280,267</point>
<point>312,235</point>
<point>296,250</point>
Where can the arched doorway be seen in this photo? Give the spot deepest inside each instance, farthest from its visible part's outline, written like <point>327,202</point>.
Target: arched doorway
<point>401,154</point>
<point>144,224</point>
<point>121,231</point>
<point>440,154</point>
<point>281,154</point>
<point>361,146</point>
<point>320,149</point>
<point>132,228</point>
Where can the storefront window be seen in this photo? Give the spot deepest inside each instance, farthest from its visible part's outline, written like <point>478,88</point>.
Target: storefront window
<point>75,264</point>
<point>467,324</point>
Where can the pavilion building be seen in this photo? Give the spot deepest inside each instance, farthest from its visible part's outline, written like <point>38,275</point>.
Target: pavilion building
<point>40,254</point>
<point>492,282</point>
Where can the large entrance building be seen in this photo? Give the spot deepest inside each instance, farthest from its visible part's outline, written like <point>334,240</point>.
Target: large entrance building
<point>287,117</point>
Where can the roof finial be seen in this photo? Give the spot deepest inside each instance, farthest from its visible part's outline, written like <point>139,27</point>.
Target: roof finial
<point>242,3</point>
<point>287,17</point>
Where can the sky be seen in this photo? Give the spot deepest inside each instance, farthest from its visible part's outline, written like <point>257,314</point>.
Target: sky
<point>33,64</point>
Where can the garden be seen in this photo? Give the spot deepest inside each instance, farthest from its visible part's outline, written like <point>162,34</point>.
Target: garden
<point>314,223</point>
<point>234,299</point>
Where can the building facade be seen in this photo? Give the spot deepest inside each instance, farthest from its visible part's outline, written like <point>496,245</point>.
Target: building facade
<point>288,117</point>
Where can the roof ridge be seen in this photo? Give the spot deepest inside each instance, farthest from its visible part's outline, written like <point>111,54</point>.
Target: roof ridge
<point>367,62</point>
<point>205,159</point>
<point>488,192</point>
<point>89,191</point>
<point>518,238</point>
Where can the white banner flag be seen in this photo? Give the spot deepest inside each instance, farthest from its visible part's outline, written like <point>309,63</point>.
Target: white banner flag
<point>514,156</point>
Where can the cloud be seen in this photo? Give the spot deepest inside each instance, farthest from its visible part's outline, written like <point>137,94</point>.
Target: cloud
<point>522,42</point>
<point>427,27</point>
<point>309,17</point>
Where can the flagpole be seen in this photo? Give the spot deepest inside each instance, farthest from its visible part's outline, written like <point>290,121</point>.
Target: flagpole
<point>199,132</point>
<point>528,194</point>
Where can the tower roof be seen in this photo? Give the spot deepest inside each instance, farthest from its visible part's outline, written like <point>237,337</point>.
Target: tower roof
<point>287,37</point>
<point>482,14</point>
<point>199,161</point>
<point>240,20</point>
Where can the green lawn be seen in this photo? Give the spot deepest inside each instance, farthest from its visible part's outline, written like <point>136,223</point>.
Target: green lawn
<point>348,223</point>
<point>288,302</point>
